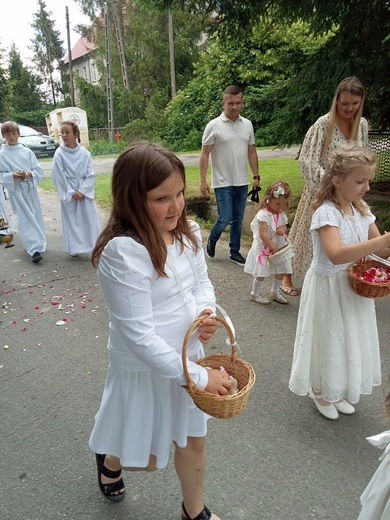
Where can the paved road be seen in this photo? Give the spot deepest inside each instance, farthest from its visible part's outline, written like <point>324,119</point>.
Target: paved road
<point>278,460</point>
<point>105,165</point>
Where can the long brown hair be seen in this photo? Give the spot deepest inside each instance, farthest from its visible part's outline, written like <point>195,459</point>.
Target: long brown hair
<point>140,168</point>
<point>342,162</point>
<point>352,85</point>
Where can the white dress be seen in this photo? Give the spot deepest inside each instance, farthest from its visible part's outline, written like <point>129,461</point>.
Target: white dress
<point>264,268</point>
<point>375,498</point>
<point>336,346</point>
<point>73,171</point>
<point>23,195</point>
<point>144,408</point>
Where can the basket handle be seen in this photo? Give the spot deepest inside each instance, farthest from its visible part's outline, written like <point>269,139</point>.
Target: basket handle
<point>193,327</point>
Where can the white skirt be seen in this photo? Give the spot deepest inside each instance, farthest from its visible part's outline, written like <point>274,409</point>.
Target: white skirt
<point>336,346</point>
<point>375,499</point>
<point>141,413</point>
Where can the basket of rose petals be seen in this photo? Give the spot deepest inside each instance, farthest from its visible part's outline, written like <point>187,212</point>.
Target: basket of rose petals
<point>369,278</point>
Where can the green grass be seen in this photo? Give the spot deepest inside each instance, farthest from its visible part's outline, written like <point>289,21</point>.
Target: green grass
<point>286,169</point>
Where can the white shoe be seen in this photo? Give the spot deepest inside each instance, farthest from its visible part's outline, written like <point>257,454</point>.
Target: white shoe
<point>278,297</point>
<point>258,298</point>
<point>329,411</point>
<point>344,407</point>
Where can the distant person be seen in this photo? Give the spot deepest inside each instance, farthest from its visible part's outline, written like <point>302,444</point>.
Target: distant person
<point>343,123</point>
<point>229,138</point>
<point>336,350</point>
<point>269,228</point>
<point>74,179</point>
<point>375,498</point>
<point>20,174</point>
<point>152,270</point>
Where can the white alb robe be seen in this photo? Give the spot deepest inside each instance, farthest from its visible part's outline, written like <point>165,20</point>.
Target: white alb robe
<point>23,195</point>
<point>73,171</point>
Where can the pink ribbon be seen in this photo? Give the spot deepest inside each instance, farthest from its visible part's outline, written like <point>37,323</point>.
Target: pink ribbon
<point>264,253</point>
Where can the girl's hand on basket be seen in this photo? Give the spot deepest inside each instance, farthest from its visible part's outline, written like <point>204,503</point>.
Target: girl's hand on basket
<point>207,328</point>
<point>281,230</point>
<point>218,382</point>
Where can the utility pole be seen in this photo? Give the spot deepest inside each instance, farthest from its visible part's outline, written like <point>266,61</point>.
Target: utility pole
<point>171,54</point>
<point>121,50</point>
<point>110,101</point>
<point>71,85</point>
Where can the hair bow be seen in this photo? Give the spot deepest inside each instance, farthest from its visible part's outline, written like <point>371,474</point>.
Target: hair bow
<point>278,191</point>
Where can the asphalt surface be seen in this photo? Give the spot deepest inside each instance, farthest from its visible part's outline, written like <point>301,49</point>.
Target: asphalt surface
<point>278,460</point>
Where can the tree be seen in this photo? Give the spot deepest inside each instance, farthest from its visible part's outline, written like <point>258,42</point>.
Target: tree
<point>3,88</point>
<point>22,87</point>
<point>146,49</point>
<point>48,48</point>
<point>359,44</point>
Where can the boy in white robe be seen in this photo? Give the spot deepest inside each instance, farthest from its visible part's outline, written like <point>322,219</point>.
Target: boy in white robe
<point>20,174</point>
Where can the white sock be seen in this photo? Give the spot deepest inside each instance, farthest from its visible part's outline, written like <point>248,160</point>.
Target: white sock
<point>276,285</point>
<point>256,287</point>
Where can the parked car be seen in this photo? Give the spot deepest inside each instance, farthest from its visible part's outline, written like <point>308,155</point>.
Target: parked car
<point>38,142</point>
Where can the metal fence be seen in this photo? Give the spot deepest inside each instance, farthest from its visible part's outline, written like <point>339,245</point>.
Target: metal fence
<point>379,143</point>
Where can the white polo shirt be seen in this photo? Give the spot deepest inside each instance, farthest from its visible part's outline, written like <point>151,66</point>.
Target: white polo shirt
<point>229,153</point>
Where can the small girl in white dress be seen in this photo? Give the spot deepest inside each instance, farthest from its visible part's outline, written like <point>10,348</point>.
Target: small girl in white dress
<point>269,228</point>
<point>336,352</point>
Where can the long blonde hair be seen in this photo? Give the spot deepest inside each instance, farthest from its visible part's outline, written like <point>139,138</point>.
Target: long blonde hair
<point>352,85</point>
<point>342,162</point>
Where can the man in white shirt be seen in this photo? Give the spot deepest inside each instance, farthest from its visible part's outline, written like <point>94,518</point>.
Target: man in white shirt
<point>229,138</point>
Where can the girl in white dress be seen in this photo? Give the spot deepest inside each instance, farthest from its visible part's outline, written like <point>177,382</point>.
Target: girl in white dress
<point>343,123</point>
<point>153,274</point>
<point>269,228</point>
<point>336,351</point>
<point>74,179</point>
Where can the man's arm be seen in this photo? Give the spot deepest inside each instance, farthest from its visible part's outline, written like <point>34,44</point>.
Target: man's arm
<point>254,165</point>
<point>203,165</point>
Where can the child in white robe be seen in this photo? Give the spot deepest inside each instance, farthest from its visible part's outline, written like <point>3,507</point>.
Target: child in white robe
<point>20,174</point>
<point>74,179</point>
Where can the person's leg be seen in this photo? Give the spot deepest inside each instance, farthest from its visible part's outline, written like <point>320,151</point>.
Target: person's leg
<point>240,195</point>
<point>190,465</point>
<point>224,199</point>
<point>112,463</point>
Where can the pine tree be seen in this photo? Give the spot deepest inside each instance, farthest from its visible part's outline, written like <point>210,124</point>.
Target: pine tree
<point>47,48</point>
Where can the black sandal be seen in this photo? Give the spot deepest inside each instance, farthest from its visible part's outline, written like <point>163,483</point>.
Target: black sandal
<point>205,514</point>
<point>108,490</point>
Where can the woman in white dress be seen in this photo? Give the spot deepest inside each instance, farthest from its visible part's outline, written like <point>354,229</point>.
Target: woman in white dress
<point>343,123</point>
<point>74,179</point>
<point>153,274</point>
<point>336,351</point>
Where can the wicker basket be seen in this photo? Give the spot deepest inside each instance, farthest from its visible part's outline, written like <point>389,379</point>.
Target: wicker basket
<point>362,287</point>
<point>284,253</point>
<point>220,406</point>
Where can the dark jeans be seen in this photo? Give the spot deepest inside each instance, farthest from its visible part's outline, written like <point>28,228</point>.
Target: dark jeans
<point>231,202</point>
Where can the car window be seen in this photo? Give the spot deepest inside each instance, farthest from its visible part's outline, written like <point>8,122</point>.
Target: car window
<point>25,131</point>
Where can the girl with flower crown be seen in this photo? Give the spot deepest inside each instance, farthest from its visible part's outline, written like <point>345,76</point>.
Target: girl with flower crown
<point>269,228</point>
